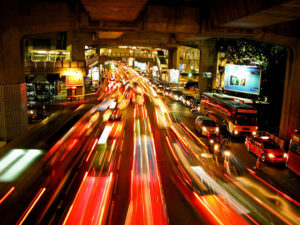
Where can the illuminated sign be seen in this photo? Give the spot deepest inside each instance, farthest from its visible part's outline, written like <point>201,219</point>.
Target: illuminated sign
<point>174,76</point>
<point>74,81</point>
<point>242,79</point>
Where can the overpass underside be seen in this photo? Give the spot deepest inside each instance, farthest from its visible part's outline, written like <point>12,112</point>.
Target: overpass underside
<point>167,24</point>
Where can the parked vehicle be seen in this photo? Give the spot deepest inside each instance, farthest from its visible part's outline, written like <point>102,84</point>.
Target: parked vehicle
<point>195,103</point>
<point>265,148</point>
<point>175,94</point>
<point>204,125</point>
<point>36,111</point>
<point>293,161</point>
<point>187,100</point>
<point>236,117</point>
<point>167,91</point>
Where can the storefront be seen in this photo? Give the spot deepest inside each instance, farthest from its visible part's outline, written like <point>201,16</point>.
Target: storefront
<point>74,81</point>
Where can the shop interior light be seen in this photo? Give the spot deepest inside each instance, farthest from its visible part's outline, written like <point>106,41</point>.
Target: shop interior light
<point>40,52</point>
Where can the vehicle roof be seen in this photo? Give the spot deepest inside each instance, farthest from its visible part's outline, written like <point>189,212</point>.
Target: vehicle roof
<point>228,101</point>
<point>189,96</point>
<point>178,91</point>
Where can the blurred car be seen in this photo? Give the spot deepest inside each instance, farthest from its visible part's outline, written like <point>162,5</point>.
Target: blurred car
<point>36,111</point>
<point>265,148</point>
<point>117,123</point>
<point>167,91</point>
<point>160,89</point>
<point>205,126</point>
<point>187,100</point>
<point>195,103</point>
<point>175,94</point>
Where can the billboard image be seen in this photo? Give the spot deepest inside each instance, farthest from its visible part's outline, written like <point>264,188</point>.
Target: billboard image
<point>174,76</point>
<point>242,78</point>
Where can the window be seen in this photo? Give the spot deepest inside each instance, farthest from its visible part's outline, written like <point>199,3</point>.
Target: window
<point>270,145</point>
<point>295,148</point>
<point>209,123</point>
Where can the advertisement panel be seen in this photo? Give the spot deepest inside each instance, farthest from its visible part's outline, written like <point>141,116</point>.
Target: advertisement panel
<point>242,78</point>
<point>74,80</point>
<point>174,76</point>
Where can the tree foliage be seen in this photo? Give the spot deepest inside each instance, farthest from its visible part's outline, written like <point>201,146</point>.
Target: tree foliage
<point>249,52</point>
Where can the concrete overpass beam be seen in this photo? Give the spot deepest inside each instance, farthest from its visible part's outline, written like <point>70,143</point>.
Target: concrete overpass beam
<point>173,59</point>
<point>208,63</point>
<point>13,94</point>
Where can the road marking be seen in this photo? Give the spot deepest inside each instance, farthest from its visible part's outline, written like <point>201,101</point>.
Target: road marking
<point>111,212</point>
<point>122,145</point>
<point>71,183</point>
<point>81,162</point>
<point>119,162</point>
<point>116,182</point>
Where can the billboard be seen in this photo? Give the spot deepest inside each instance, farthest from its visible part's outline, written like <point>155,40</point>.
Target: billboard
<point>242,78</point>
<point>174,76</point>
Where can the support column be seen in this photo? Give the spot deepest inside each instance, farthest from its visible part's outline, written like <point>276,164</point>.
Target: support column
<point>75,44</point>
<point>290,113</point>
<point>208,63</point>
<point>173,59</point>
<point>13,94</point>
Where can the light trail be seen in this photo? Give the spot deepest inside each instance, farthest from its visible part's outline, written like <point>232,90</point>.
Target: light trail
<point>7,194</point>
<point>31,206</point>
<point>146,205</point>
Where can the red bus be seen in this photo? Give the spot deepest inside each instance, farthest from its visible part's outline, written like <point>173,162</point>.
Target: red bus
<point>237,117</point>
<point>293,162</point>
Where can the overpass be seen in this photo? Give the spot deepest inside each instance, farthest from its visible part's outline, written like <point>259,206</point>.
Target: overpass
<point>166,24</point>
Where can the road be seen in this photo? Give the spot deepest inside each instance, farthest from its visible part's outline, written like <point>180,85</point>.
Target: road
<point>275,174</point>
<point>130,161</point>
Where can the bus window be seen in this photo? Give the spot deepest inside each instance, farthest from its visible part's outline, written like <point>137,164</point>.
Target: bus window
<point>245,119</point>
<point>293,162</point>
<point>295,148</point>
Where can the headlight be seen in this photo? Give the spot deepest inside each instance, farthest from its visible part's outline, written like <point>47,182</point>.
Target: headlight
<point>236,132</point>
<point>271,155</point>
<point>227,153</point>
<point>285,155</point>
<point>204,128</point>
<point>216,147</point>
<point>217,129</point>
<point>254,133</point>
<point>211,141</point>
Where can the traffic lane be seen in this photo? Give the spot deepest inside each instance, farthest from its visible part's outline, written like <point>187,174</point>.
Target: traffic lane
<point>59,209</point>
<point>275,174</point>
<point>179,210</point>
<point>183,112</point>
<point>235,188</point>
<point>147,203</point>
<point>121,190</point>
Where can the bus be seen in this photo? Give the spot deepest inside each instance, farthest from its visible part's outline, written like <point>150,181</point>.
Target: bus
<point>238,118</point>
<point>293,161</point>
